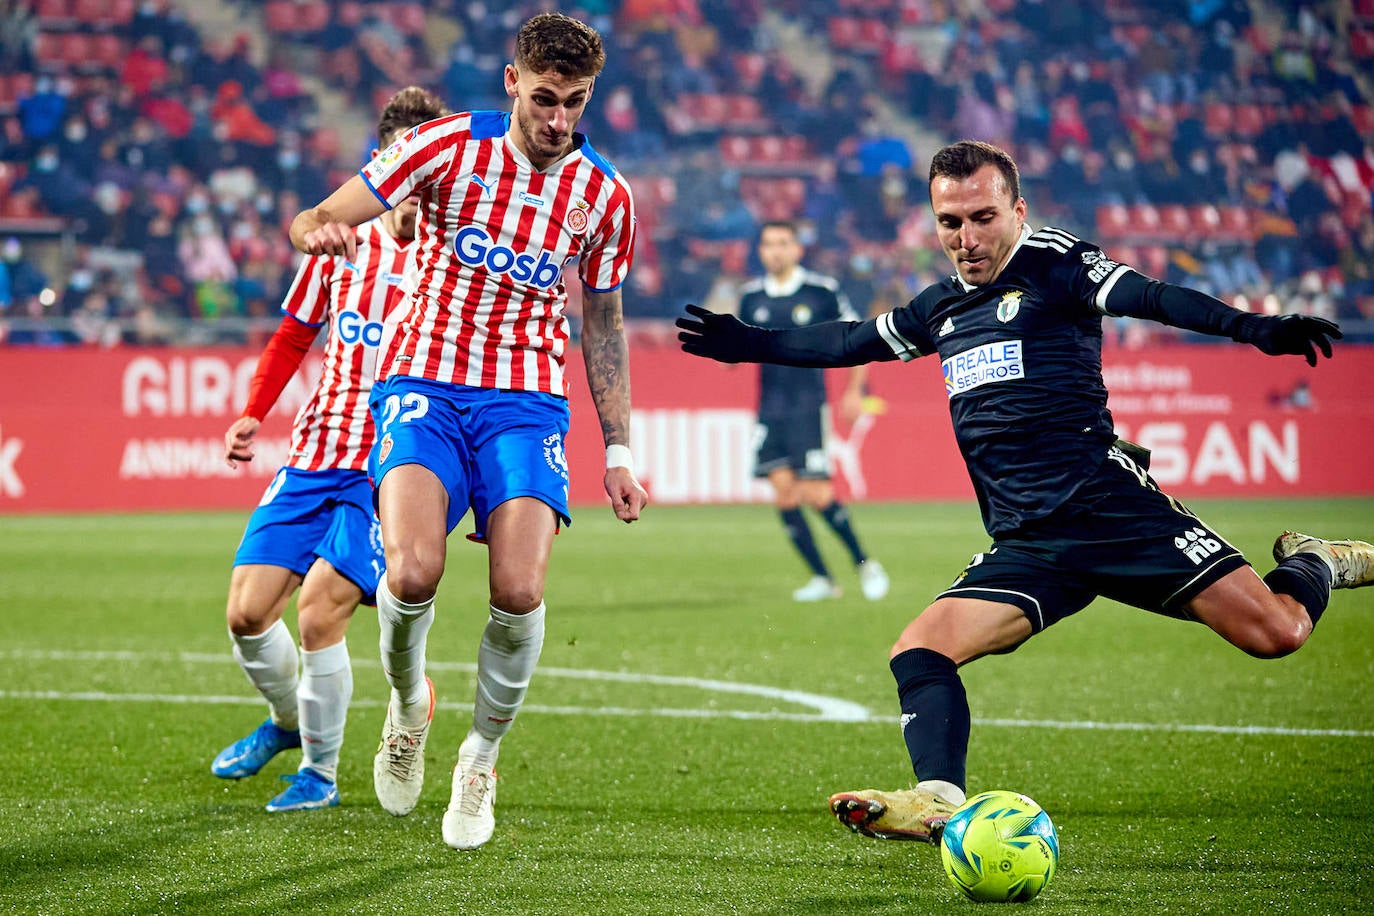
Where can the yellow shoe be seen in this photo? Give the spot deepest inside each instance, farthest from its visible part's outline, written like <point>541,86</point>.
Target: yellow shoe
<point>1351,562</point>
<point>906,814</point>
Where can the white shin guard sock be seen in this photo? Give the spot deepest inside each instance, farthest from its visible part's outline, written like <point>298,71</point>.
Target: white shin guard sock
<point>506,659</point>
<point>269,659</point>
<point>325,691</point>
<point>404,630</point>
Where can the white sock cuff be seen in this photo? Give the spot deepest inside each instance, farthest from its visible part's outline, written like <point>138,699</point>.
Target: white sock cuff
<point>326,661</point>
<point>519,624</point>
<point>396,611</point>
<point>251,647</point>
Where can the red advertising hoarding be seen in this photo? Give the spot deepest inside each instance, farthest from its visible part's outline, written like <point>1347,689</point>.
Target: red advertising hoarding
<point>141,429</point>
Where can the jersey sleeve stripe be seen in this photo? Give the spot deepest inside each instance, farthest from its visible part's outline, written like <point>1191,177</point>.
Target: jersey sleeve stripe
<point>367,181</point>
<point>1100,301</point>
<point>905,350</point>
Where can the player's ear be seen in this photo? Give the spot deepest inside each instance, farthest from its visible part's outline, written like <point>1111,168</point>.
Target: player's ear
<point>512,80</point>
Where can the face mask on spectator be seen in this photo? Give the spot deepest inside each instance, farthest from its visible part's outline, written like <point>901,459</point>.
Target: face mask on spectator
<point>196,203</point>
<point>47,162</point>
<point>76,131</point>
<point>203,225</point>
<point>288,159</point>
<point>81,280</point>
<point>264,204</point>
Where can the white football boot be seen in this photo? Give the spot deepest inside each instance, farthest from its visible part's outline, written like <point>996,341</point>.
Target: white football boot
<point>873,580</point>
<point>470,819</point>
<point>1351,562</point>
<point>398,770</point>
<point>818,588</point>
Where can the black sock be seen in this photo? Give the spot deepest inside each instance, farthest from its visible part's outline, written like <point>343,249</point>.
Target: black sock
<point>800,533</point>
<point>837,518</point>
<point>935,714</point>
<point>1306,578</point>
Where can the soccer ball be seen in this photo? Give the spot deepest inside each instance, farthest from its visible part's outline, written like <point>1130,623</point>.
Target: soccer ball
<point>999,847</point>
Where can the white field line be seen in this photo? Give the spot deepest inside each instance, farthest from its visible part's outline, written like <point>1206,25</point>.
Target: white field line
<point>826,709</point>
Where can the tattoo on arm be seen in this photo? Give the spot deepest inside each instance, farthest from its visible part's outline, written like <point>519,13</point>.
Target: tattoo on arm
<point>607,359</point>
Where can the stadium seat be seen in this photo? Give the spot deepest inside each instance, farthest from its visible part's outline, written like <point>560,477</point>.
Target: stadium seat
<point>1175,223</point>
<point>108,50</point>
<point>410,18</point>
<point>1143,220</point>
<point>1361,43</point>
<point>1234,224</point>
<point>743,111</point>
<point>735,149</point>
<point>1113,222</point>
<point>312,17</point>
<point>1218,119</point>
<point>1364,9</point>
<point>1248,121</point>
<point>279,16</point>
<point>846,32</point>
<point>53,12</point>
<point>1362,116</point>
<point>104,12</point>
<point>749,67</point>
<point>1152,261</point>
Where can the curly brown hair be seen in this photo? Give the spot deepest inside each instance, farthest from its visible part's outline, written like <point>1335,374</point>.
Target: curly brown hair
<point>554,42</point>
<point>408,107</point>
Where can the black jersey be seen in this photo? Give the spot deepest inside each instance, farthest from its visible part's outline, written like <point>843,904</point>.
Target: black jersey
<point>806,298</point>
<point>1022,361</point>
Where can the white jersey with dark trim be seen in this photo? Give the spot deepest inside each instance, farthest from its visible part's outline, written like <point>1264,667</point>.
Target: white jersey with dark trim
<point>355,297</point>
<point>494,236</point>
<point>1022,359</point>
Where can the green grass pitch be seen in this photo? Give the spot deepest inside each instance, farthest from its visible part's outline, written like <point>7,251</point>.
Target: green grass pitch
<point>680,740</point>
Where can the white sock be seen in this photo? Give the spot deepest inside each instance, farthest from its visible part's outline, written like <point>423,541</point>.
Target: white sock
<point>404,630</point>
<point>269,659</point>
<point>946,790</point>
<point>506,659</point>
<point>326,688</point>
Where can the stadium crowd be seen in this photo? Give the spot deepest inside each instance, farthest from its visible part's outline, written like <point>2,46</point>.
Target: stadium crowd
<point>149,160</point>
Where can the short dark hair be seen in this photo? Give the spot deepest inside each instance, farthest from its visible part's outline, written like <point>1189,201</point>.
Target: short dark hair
<point>787,224</point>
<point>960,160</point>
<point>554,42</point>
<point>407,108</point>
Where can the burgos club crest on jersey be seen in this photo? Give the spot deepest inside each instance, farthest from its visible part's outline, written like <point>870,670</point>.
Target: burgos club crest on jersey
<point>1009,306</point>
<point>576,217</point>
<point>475,248</point>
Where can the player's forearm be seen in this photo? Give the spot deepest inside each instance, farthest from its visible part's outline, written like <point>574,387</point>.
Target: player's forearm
<point>826,345</point>
<point>280,359</point>
<point>1137,296</point>
<point>606,356</point>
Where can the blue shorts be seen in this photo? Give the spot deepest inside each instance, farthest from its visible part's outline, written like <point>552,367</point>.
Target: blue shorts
<point>1118,536</point>
<point>486,445</point>
<point>309,514</point>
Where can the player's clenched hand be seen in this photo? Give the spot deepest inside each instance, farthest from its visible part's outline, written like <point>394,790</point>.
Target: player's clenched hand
<point>723,338</point>
<point>238,441</point>
<point>1290,335</point>
<point>627,496</point>
<point>332,238</point>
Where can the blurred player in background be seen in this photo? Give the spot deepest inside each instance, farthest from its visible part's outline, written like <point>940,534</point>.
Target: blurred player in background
<point>1072,515</point>
<point>794,418</point>
<point>315,528</point>
<point>471,401</point>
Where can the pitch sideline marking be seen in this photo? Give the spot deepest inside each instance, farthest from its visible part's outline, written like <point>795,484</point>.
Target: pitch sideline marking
<point>829,709</point>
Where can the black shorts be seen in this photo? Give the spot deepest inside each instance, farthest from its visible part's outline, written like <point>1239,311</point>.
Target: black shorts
<point>794,440</point>
<point>1119,537</point>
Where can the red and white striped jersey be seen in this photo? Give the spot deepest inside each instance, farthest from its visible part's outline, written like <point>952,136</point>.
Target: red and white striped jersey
<point>493,237</point>
<point>333,429</point>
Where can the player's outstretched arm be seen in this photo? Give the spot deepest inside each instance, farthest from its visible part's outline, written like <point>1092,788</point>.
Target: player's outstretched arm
<point>607,359</point>
<point>1277,335</point>
<point>328,227</point>
<point>826,344</point>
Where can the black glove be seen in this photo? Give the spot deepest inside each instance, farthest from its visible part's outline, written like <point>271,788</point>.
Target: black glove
<point>1289,335</point>
<point>723,338</point>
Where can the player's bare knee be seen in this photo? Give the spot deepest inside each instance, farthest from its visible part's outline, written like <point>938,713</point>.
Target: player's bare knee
<point>413,577</point>
<point>246,620</point>
<point>517,597</point>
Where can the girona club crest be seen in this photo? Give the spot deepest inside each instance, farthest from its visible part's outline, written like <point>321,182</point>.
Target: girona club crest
<point>577,218</point>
